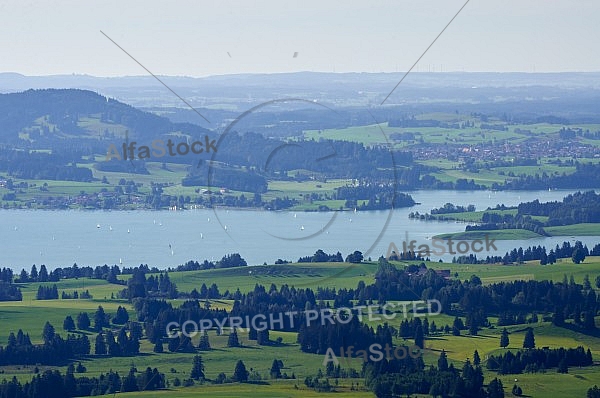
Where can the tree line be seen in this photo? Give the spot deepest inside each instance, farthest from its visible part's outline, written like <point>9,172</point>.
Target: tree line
<point>539,360</point>
<point>53,384</point>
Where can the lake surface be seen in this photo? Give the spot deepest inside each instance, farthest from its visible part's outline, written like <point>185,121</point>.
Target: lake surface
<point>170,238</point>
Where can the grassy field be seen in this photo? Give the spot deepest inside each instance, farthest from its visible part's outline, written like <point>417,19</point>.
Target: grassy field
<point>587,229</point>
<point>276,389</point>
<point>339,275</point>
<point>490,273</point>
<point>31,314</point>
<point>499,234</point>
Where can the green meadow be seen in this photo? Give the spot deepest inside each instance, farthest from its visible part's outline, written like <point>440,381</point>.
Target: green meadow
<point>499,234</point>
<point>31,314</point>
<point>586,229</point>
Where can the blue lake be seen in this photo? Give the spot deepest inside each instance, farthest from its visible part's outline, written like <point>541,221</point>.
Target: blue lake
<point>170,238</point>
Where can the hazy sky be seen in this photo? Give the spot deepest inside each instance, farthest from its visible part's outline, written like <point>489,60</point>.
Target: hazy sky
<point>194,38</point>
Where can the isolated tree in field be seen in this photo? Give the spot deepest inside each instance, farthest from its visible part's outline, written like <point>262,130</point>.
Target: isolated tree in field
<point>233,340</point>
<point>443,362</point>
<point>240,374</point>
<point>43,275</point>
<point>355,257</point>
<point>135,330</point>
<point>495,389</point>
<point>455,331</point>
<point>504,341</point>
<point>329,368</point>
<point>100,345</point>
<point>404,329</point>
<point>473,328</point>
<point>48,333</point>
<point>129,382</point>
<point>173,344</point>
<point>83,321</point>
<point>33,274</point>
<point>197,372</point>
<point>12,340</point>
<point>113,348</point>
<point>458,323</point>
<point>262,337</point>
<point>457,326</point>
<point>276,369</point>
<point>529,340</point>
<point>578,255</point>
<point>123,341</point>
<point>204,343</point>
<point>121,317</point>
<point>22,338</point>
<point>432,328</point>
<point>593,392</point>
<point>158,347</point>
<point>419,338</point>
<point>69,323</point>
<point>476,358</point>
<point>100,318</point>
<point>23,276</point>
<point>517,391</point>
<point>562,366</point>
<point>252,334</point>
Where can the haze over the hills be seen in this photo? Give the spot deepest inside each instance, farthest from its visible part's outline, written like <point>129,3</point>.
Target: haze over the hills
<point>240,92</point>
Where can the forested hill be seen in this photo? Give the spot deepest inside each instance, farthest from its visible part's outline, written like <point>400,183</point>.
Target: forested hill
<point>81,123</point>
<point>45,118</point>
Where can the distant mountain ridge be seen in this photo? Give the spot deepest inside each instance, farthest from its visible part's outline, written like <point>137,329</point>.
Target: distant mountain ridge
<point>240,92</point>
<point>44,118</point>
<point>11,81</point>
